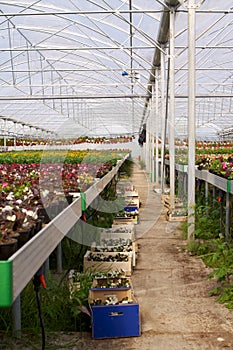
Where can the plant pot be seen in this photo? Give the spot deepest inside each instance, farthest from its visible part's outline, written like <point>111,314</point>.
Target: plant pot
<point>69,199</point>
<point>42,212</point>
<point>32,229</point>
<point>14,235</point>
<point>38,225</point>
<point>8,248</point>
<point>24,235</point>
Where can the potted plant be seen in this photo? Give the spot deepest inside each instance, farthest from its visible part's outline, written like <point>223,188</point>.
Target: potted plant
<point>8,245</point>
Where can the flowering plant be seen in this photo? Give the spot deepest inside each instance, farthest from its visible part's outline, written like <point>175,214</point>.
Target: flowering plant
<point>34,180</point>
<point>223,167</point>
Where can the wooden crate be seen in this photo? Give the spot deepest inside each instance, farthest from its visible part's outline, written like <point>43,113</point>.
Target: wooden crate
<point>132,198</point>
<point>109,248</point>
<point>165,199</point>
<point>133,230</point>
<point>125,226</point>
<point>107,266</point>
<point>123,220</point>
<point>104,293</point>
<point>172,217</point>
<point>134,217</point>
<point>99,282</point>
<point>131,194</point>
<point>128,226</point>
<point>119,231</point>
<point>135,201</point>
<point>128,218</point>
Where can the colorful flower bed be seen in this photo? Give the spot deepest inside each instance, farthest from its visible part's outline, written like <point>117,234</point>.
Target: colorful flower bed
<point>35,186</point>
<point>215,157</point>
<point>221,165</point>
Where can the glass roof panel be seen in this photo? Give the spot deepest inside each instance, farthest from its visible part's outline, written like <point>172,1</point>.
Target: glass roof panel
<point>62,64</point>
<point>214,67</point>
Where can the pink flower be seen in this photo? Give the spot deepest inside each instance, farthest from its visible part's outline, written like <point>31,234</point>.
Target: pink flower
<point>224,165</point>
<point>5,184</point>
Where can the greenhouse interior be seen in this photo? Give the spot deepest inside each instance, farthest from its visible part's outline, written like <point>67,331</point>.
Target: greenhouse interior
<point>116,168</point>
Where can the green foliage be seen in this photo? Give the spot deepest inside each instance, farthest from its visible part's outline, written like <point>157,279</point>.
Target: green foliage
<point>72,252</point>
<point>217,151</point>
<point>206,220</point>
<point>226,296</point>
<point>218,255</point>
<point>104,212</point>
<point>60,311</point>
<point>210,245</point>
<point>127,167</point>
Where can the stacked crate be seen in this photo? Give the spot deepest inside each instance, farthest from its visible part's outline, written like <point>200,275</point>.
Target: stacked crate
<point>108,261</point>
<point>114,310</point>
<point>130,212</point>
<point>102,257</point>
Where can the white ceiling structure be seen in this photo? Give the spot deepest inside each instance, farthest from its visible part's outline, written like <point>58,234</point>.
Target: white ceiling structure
<point>86,67</point>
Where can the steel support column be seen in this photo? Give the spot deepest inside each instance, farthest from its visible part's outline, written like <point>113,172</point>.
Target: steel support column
<point>4,137</point>
<point>171,127</point>
<point>157,125</point>
<point>15,134</point>
<point>191,117</point>
<point>163,102</point>
<point>153,134</point>
<point>16,317</point>
<point>147,144</point>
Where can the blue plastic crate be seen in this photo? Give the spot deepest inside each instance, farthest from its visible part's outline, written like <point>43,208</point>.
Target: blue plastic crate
<point>130,208</point>
<point>113,321</point>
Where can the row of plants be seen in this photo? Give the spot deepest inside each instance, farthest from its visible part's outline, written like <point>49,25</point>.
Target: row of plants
<point>214,145</point>
<point>202,145</point>
<point>218,165</point>
<point>212,246</point>
<point>60,156</point>
<point>73,141</point>
<point>36,192</point>
<point>218,161</point>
